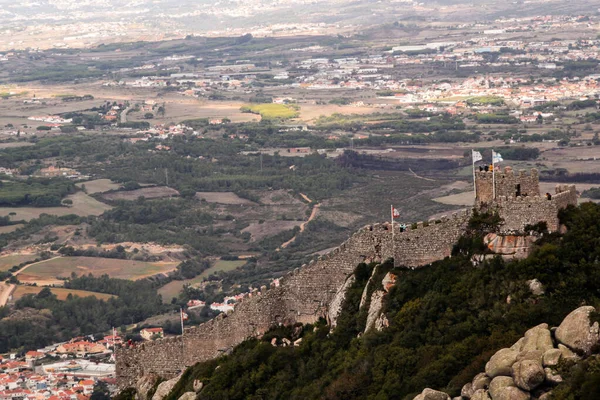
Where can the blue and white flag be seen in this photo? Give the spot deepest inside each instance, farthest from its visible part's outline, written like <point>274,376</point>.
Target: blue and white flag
<point>496,157</point>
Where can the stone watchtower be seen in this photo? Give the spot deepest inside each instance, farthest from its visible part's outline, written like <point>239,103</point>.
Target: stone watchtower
<point>508,185</point>
<point>517,199</point>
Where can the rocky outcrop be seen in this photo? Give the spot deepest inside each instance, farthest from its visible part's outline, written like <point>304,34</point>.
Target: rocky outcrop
<point>165,388</point>
<point>335,308</point>
<point>509,246</point>
<point>144,385</point>
<point>528,369</point>
<point>188,396</point>
<point>374,308</point>
<point>577,332</point>
<point>430,394</point>
<point>375,318</point>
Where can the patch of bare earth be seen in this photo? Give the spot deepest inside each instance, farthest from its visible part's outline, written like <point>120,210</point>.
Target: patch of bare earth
<point>222,198</point>
<point>155,192</point>
<point>269,228</point>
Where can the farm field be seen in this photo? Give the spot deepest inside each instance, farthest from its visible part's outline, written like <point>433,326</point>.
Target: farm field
<point>155,192</point>
<point>99,186</point>
<point>83,205</point>
<point>173,288</point>
<point>222,198</point>
<point>60,293</point>
<point>115,268</point>
<point>10,228</point>
<point>9,261</point>
<point>273,111</point>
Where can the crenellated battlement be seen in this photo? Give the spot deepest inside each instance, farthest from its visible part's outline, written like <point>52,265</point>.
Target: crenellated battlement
<point>315,290</point>
<point>304,295</point>
<point>518,200</point>
<point>507,183</point>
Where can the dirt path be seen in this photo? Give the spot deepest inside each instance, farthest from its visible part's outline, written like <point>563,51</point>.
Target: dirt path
<point>29,265</point>
<point>420,177</point>
<point>5,292</point>
<point>305,197</point>
<point>313,215</point>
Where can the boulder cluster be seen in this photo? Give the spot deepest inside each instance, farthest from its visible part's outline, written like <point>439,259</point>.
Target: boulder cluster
<point>528,369</point>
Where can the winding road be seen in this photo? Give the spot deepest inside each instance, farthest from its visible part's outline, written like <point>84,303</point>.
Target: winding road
<point>313,215</point>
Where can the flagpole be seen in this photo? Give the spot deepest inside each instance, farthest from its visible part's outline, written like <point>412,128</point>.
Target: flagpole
<point>181,317</point>
<point>494,174</point>
<point>392,215</point>
<point>473,160</point>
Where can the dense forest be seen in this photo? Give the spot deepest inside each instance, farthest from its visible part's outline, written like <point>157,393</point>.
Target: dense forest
<point>446,320</point>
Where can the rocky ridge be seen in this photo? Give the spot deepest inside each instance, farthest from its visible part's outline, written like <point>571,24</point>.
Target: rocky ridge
<point>528,370</point>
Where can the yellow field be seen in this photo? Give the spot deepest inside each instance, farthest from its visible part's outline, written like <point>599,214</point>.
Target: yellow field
<point>60,293</point>
<point>273,111</point>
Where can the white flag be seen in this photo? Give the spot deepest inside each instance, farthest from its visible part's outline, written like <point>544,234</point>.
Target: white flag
<point>477,156</point>
<point>496,157</point>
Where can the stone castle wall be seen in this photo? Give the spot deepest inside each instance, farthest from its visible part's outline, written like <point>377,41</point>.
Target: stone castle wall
<point>303,295</point>
<point>521,211</point>
<point>518,200</point>
<point>506,184</point>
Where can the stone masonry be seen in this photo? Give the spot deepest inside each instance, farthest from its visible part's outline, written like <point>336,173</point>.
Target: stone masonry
<point>304,296</point>
<point>518,200</point>
<point>313,291</point>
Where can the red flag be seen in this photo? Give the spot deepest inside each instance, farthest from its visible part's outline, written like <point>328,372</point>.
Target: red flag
<point>395,212</point>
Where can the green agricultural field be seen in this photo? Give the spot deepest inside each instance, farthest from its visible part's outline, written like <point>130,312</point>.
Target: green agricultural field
<point>60,293</point>
<point>485,100</point>
<point>115,268</point>
<point>273,111</point>
<point>7,262</point>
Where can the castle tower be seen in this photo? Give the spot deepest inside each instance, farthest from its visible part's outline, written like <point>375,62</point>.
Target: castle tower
<point>508,185</point>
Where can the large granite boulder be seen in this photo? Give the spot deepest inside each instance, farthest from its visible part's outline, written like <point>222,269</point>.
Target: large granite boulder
<point>503,388</point>
<point>467,390</point>
<point>577,332</point>
<point>538,338</point>
<point>481,381</point>
<point>552,376</point>
<point>165,388</point>
<point>481,394</point>
<point>430,394</point>
<point>512,393</point>
<point>551,358</point>
<point>188,396</point>
<point>566,353</point>
<point>144,384</point>
<point>528,374</point>
<point>501,363</point>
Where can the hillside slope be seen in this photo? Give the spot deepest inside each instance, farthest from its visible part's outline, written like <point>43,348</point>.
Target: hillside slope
<point>445,322</point>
